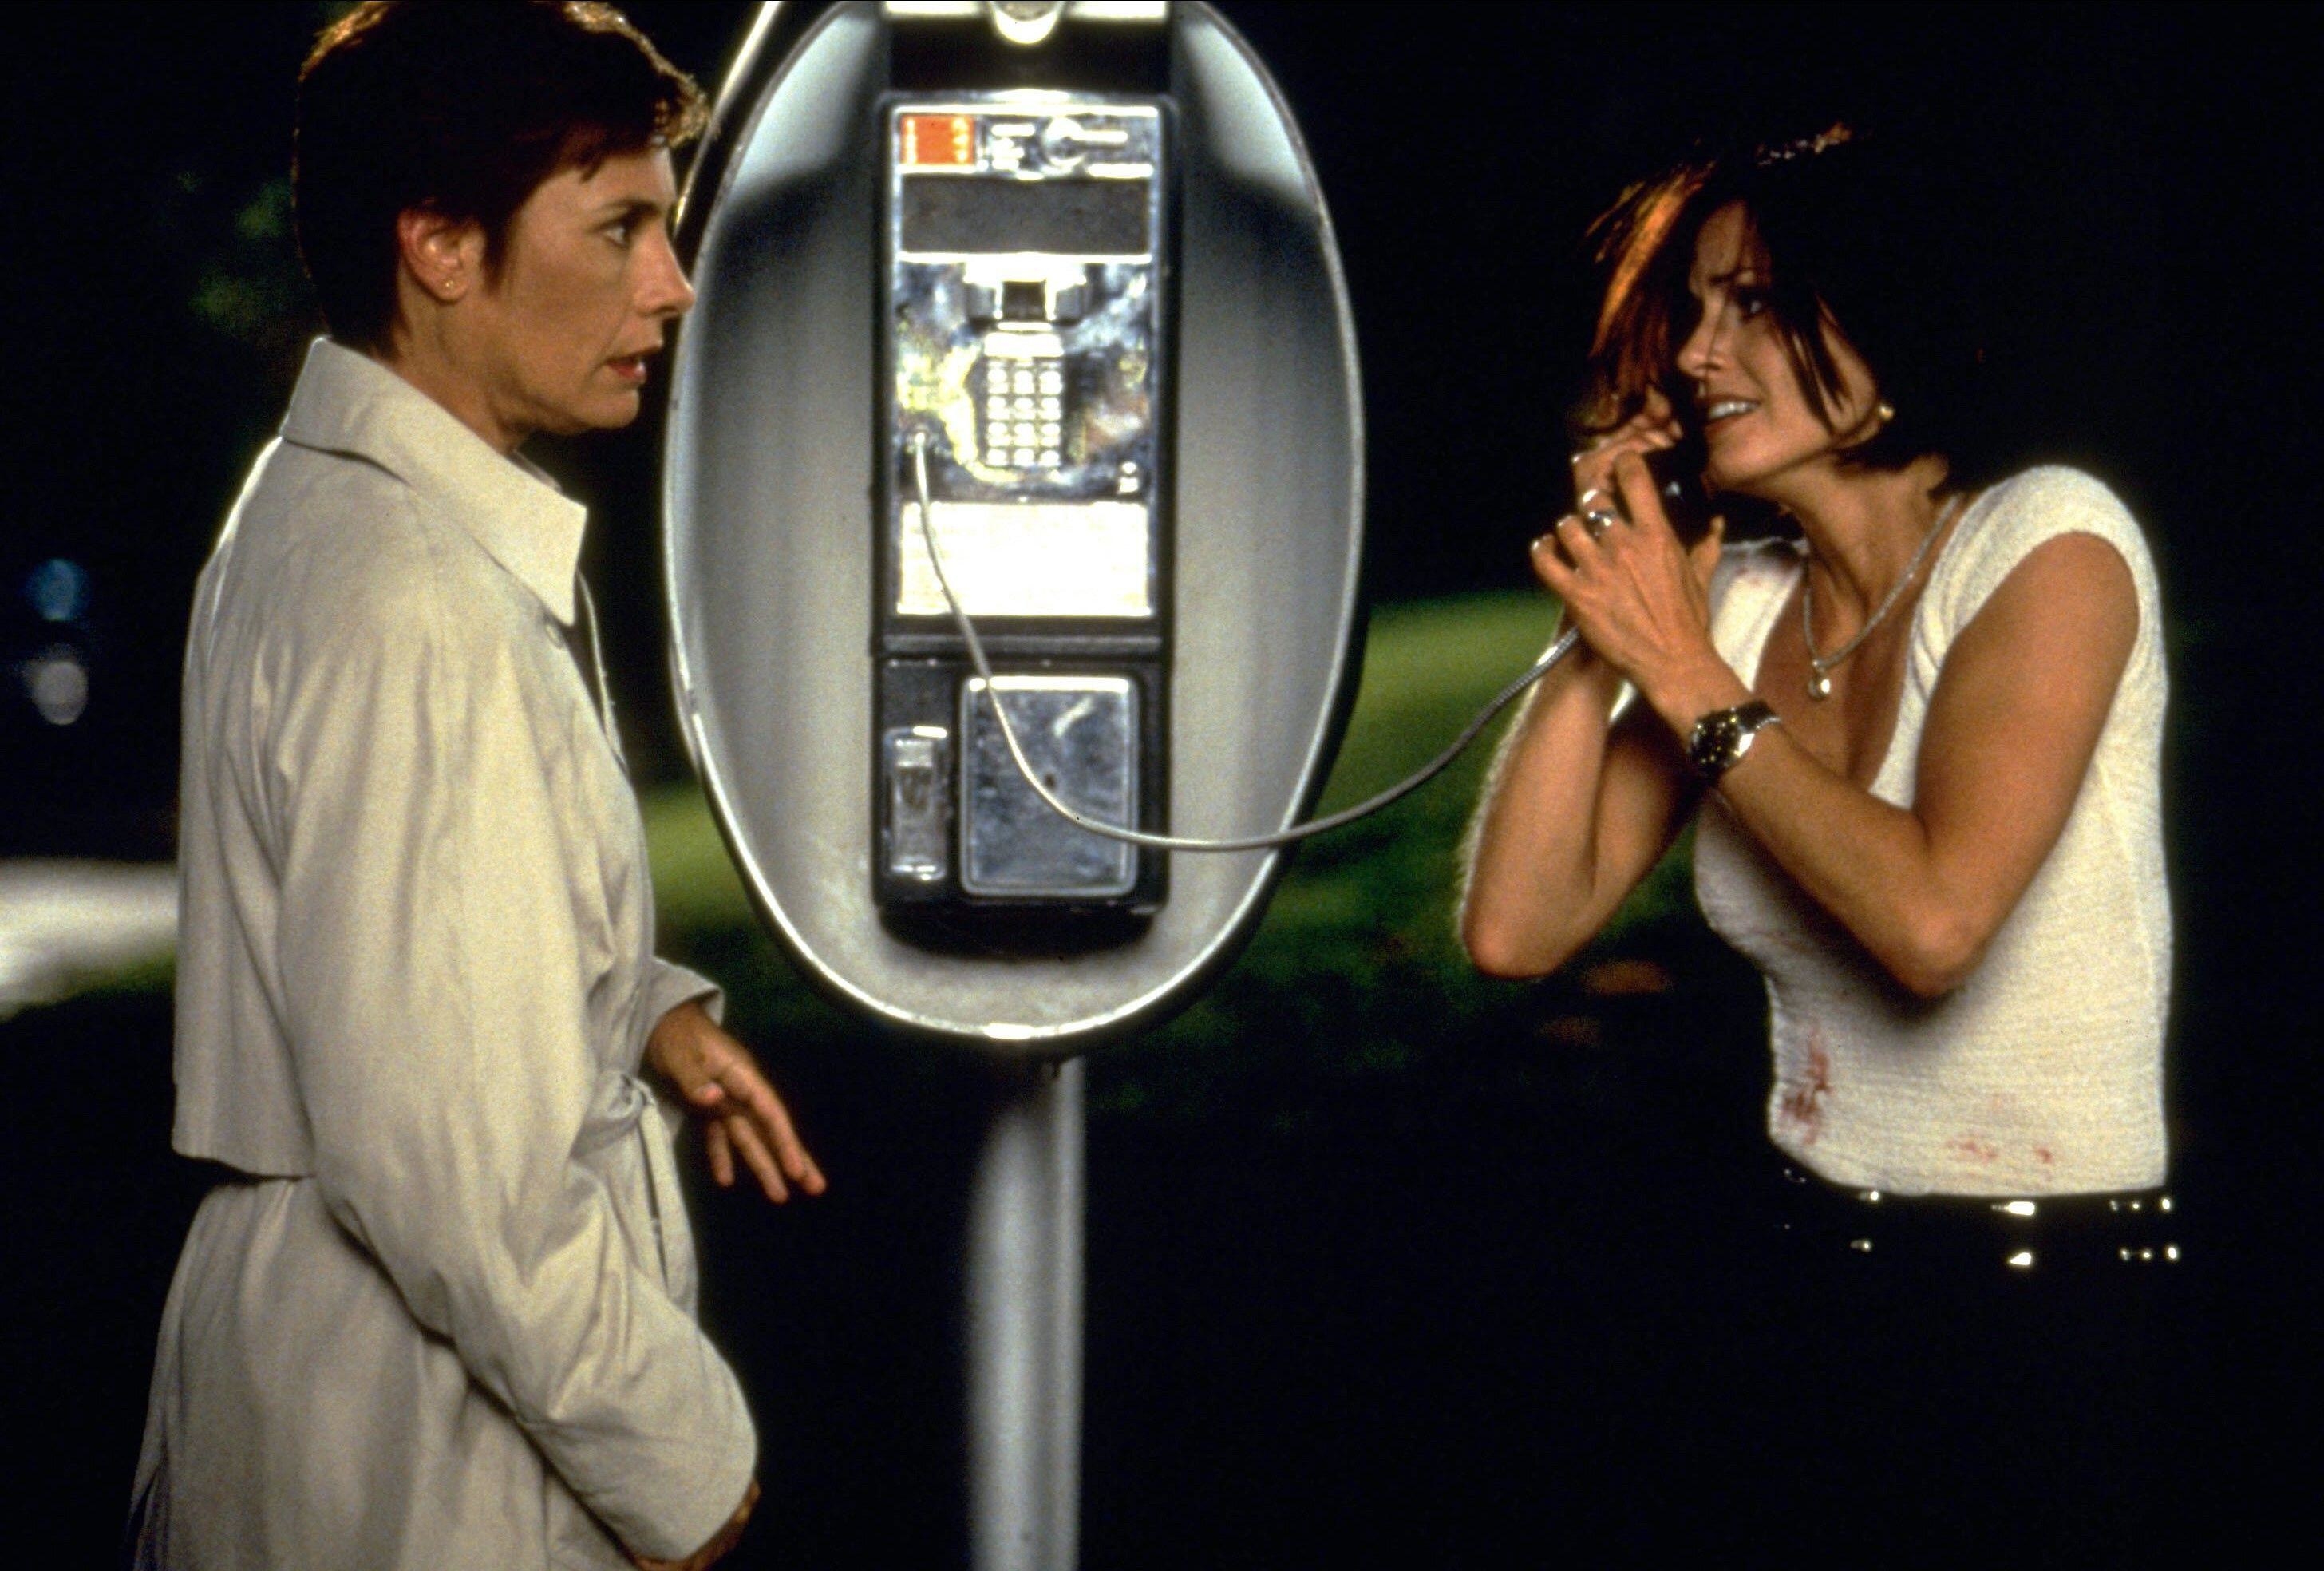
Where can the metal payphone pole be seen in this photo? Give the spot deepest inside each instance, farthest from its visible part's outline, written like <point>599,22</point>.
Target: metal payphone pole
<point>1024,1322</point>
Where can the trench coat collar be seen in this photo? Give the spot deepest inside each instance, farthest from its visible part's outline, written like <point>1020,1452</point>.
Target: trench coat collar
<point>348,402</point>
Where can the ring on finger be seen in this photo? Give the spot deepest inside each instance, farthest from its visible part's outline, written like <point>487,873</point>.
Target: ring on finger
<point>1598,520</point>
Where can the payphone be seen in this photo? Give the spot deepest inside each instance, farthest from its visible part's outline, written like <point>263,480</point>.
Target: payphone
<point>1024,383</point>
<point>901,216</point>
<point>1064,337</point>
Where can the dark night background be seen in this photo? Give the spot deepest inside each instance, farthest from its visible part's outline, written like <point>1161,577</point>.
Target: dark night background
<point>1358,1332</point>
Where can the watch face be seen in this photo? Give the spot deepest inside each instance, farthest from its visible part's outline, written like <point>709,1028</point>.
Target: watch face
<point>1720,739</point>
<point>1713,744</point>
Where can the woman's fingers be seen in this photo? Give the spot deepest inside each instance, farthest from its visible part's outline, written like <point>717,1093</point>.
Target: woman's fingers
<point>1636,484</point>
<point>1654,426</point>
<point>1584,535</point>
<point>1548,565</point>
<point>1559,556</point>
<point>1651,429</point>
<point>756,1156</point>
<point>1703,555</point>
<point>753,1114</point>
<point>1637,598</point>
<point>772,1123</point>
<point>756,1100</point>
<point>746,1124</point>
<point>792,1153</point>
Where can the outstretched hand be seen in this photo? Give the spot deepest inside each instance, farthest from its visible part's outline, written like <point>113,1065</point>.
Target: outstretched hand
<point>721,1085</point>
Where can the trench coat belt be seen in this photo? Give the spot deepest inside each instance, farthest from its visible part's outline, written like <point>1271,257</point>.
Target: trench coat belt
<point>620,1106</point>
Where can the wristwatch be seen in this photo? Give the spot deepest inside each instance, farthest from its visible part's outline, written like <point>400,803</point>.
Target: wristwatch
<point>1721,738</point>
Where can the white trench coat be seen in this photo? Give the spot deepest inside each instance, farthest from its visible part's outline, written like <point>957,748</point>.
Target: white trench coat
<point>446,1320</point>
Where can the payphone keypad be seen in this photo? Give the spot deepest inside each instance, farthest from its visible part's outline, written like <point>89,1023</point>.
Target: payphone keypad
<point>1023,293</point>
<point>1021,419</point>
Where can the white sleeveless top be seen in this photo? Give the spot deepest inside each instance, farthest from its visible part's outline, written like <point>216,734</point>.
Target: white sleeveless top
<point>2042,1073</point>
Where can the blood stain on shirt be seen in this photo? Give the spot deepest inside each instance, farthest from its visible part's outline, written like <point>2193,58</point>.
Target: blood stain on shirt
<point>1803,1102</point>
<point>1976,1149</point>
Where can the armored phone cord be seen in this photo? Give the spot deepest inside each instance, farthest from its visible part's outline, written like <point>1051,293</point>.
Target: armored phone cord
<point>1501,700</point>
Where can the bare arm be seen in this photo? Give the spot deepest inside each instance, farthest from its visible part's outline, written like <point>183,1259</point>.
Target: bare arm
<point>1575,812</point>
<point>2011,728</point>
<point>1576,809</point>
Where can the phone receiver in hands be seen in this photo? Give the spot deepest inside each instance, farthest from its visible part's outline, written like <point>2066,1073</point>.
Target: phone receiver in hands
<point>1678,480</point>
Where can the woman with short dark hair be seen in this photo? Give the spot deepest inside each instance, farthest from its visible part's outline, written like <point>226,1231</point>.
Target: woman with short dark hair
<point>1918,738</point>
<point>441,1314</point>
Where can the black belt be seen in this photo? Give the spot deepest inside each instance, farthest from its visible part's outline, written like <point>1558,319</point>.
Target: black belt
<point>2029,1235</point>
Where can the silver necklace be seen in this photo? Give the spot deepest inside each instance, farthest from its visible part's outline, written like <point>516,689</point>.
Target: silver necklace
<point>1821,666</point>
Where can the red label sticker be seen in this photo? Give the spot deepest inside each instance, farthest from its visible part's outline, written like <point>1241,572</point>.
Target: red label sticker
<point>938,139</point>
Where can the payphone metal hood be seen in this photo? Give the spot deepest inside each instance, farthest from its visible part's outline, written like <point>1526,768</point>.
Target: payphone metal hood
<point>768,484</point>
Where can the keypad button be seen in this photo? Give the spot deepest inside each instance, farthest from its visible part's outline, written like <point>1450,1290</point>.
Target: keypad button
<point>1049,435</point>
<point>1049,458</point>
<point>1052,409</point>
<point>1024,459</point>
<point>1053,381</point>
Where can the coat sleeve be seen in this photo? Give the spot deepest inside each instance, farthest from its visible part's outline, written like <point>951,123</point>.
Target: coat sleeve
<point>434,973</point>
<point>669,985</point>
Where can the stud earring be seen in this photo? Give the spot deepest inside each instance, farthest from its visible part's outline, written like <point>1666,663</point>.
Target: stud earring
<point>1886,411</point>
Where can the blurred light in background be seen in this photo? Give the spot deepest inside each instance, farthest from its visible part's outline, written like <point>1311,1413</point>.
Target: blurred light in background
<point>58,589</point>
<point>57,681</point>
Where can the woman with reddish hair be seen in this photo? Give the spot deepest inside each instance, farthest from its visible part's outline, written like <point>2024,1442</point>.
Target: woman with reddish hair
<point>1917,734</point>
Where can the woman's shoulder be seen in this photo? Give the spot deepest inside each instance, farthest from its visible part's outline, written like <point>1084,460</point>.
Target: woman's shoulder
<point>357,545</point>
<point>339,567</point>
<point>2013,517</point>
<point>2055,493</point>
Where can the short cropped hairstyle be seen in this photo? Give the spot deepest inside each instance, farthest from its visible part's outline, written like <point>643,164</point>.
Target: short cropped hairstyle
<point>1862,237</point>
<point>461,108</point>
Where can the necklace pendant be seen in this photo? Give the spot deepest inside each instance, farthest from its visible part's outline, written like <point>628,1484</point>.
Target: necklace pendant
<point>1819,685</point>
